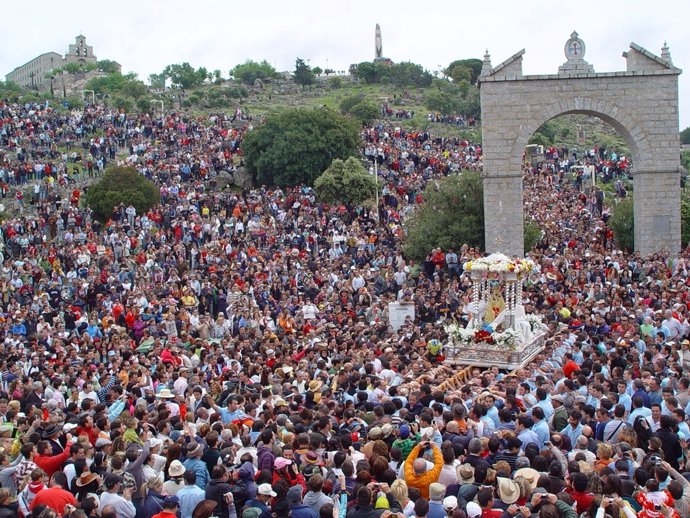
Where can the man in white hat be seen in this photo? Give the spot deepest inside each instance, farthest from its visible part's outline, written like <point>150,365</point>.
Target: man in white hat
<point>264,493</point>
<point>167,395</point>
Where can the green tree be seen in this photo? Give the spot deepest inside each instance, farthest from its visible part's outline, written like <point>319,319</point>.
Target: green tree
<point>75,68</point>
<point>685,136</point>
<point>109,84</point>
<point>365,111</point>
<point>108,66</point>
<point>622,223</point>
<point>684,220</point>
<point>185,76</point>
<point>217,76</point>
<point>335,83</point>
<point>157,81</point>
<point>74,102</point>
<point>685,159</point>
<point>443,102</point>
<point>317,71</point>
<point>452,215</point>
<point>250,71</point>
<point>123,103</point>
<point>345,182</point>
<point>533,234</point>
<point>329,71</point>
<point>121,185</point>
<point>369,72</point>
<point>115,83</point>
<point>459,73</point>
<point>303,74</point>
<point>540,140</point>
<point>135,89</point>
<point>469,104</point>
<point>144,105</point>
<point>409,74</point>
<point>295,146</point>
<point>473,65</point>
<point>9,89</point>
<point>349,101</point>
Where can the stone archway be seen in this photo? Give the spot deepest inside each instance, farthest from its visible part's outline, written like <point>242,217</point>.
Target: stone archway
<point>641,103</point>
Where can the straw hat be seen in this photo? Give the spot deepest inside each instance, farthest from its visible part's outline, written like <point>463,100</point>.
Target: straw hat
<point>86,478</point>
<point>529,474</point>
<point>465,473</point>
<point>165,394</point>
<point>176,469</point>
<point>508,490</point>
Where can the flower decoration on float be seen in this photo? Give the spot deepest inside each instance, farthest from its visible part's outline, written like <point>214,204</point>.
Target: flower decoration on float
<point>499,263</point>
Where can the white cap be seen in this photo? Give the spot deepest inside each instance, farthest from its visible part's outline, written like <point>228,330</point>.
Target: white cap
<point>266,489</point>
<point>473,510</point>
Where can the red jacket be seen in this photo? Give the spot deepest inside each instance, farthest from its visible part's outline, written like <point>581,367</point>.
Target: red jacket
<point>582,500</point>
<point>90,432</point>
<point>51,463</point>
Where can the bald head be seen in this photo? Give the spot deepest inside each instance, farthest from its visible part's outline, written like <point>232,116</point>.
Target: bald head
<point>452,427</point>
<point>419,466</point>
<point>582,442</point>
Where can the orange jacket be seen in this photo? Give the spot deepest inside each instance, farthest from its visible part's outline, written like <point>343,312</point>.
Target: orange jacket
<point>423,481</point>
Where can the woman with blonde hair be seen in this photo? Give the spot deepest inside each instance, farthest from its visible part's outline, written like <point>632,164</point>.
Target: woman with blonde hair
<point>399,492</point>
<point>153,503</point>
<point>604,456</point>
<point>8,505</point>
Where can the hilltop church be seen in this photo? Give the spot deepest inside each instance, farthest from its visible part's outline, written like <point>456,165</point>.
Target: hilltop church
<point>34,73</point>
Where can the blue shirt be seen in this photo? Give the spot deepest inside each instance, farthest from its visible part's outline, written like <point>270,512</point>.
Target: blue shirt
<point>228,417</point>
<point>492,414</point>
<point>572,433</point>
<point>542,430</point>
<point>626,401</point>
<point>644,412</point>
<point>528,436</point>
<point>436,510</point>
<point>189,497</point>
<point>591,400</point>
<point>546,406</point>
<point>198,467</point>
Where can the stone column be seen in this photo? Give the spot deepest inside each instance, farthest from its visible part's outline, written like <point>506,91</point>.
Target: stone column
<point>503,228</point>
<point>657,212</point>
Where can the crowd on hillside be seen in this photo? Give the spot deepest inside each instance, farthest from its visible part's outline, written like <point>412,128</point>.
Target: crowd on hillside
<point>230,354</point>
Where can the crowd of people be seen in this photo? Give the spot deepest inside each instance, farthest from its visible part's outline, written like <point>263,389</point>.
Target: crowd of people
<point>230,354</point>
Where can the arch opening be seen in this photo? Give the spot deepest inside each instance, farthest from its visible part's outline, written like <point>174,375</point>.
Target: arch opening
<point>576,167</point>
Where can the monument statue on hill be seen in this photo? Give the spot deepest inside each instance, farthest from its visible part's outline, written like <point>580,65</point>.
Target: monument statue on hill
<point>378,43</point>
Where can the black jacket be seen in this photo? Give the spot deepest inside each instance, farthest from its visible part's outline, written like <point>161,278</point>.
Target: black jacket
<point>216,490</point>
<point>671,446</point>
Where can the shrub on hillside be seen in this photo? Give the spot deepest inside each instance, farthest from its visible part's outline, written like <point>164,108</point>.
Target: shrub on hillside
<point>121,185</point>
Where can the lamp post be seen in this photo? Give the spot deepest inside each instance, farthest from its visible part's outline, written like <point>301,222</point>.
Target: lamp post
<point>93,96</point>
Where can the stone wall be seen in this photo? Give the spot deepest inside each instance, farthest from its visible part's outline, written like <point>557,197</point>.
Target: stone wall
<point>641,104</point>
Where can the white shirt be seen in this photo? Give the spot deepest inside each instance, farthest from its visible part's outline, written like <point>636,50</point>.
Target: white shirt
<point>309,311</point>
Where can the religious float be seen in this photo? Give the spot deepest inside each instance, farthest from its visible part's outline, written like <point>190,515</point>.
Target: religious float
<point>499,331</point>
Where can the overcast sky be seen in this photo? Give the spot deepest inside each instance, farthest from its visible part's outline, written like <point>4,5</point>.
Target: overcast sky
<point>146,35</point>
